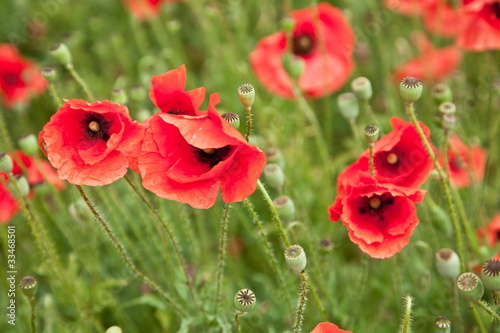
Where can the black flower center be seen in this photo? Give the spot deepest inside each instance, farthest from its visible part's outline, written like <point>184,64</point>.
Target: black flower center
<point>376,205</point>
<point>303,44</point>
<point>211,156</point>
<point>95,127</point>
<point>176,112</point>
<point>496,9</point>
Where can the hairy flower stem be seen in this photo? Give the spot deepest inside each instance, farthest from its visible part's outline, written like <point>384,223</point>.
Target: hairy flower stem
<point>7,144</point>
<point>488,310</point>
<point>237,320</point>
<point>276,219</point>
<point>249,122</point>
<point>222,254</point>
<point>406,323</point>
<point>168,230</point>
<point>367,109</point>
<point>457,317</point>
<point>71,69</point>
<point>372,168</point>
<point>54,95</point>
<point>456,225</point>
<point>321,309</point>
<point>32,315</point>
<point>478,319</point>
<point>301,303</point>
<point>121,250</point>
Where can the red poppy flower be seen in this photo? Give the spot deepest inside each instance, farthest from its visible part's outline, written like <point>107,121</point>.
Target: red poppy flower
<point>188,158</point>
<point>144,9</point>
<point>432,64</point>
<point>491,232</point>
<point>380,217</point>
<point>400,159</point>
<point>7,201</point>
<point>35,170</point>
<point>465,162</point>
<point>19,78</point>
<point>481,25</point>
<point>442,19</point>
<point>322,38</point>
<point>408,7</point>
<point>91,144</point>
<point>328,328</point>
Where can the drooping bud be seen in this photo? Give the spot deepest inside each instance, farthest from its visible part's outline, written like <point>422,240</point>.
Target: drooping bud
<point>296,258</point>
<point>325,246</point>
<point>274,155</point>
<point>348,105</point>
<point>61,53</point>
<point>246,94</point>
<point>119,96</point>
<point>244,300</point>
<point>6,163</point>
<point>285,207</point>
<point>28,285</point>
<point>443,325</point>
<point>470,287</point>
<point>49,73</point>
<point>28,144</point>
<point>441,93</point>
<point>410,89</point>
<point>448,263</point>
<point>371,134</point>
<point>232,118</point>
<point>362,88</point>
<point>274,176</point>
<point>293,65</point>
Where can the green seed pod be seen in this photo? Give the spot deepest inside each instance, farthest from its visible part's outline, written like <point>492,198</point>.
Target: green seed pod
<point>325,246</point>
<point>232,118</point>
<point>362,88</point>
<point>470,287</point>
<point>490,274</point>
<point>61,53</point>
<point>371,134</point>
<point>441,93</point>
<point>448,263</point>
<point>114,329</point>
<point>447,108</point>
<point>293,65</point>
<point>274,176</point>
<point>449,122</point>
<point>410,89</point>
<point>28,144</point>
<point>287,23</point>
<point>348,105</point>
<point>285,207</point>
<point>22,186</point>
<point>244,300</point>
<point>296,258</point>
<point>119,96</point>
<point>28,285</point>
<point>274,155</point>
<point>138,93</point>
<point>49,73</point>
<point>246,94</point>
<point>6,163</point>
<point>443,325</point>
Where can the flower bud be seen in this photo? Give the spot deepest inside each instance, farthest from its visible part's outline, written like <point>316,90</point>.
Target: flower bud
<point>274,176</point>
<point>325,246</point>
<point>410,89</point>
<point>296,258</point>
<point>49,73</point>
<point>28,286</point>
<point>246,94</point>
<point>470,287</point>
<point>285,207</point>
<point>448,263</point>
<point>138,93</point>
<point>22,186</point>
<point>287,23</point>
<point>490,274</point>
<point>244,300</point>
<point>61,53</point>
<point>371,134</point>
<point>293,65</point>
<point>232,118</point>
<point>28,144</point>
<point>362,88</point>
<point>114,329</point>
<point>274,155</point>
<point>443,325</point>
<point>441,93</point>
<point>348,105</point>
<point>119,96</point>
<point>6,163</point>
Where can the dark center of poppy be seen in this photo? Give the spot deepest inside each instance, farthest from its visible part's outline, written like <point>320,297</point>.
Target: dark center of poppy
<point>176,112</point>
<point>95,126</point>
<point>376,205</point>
<point>211,156</point>
<point>496,9</point>
<point>497,234</point>
<point>303,44</point>
<point>10,79</point>
<point>392,158</point>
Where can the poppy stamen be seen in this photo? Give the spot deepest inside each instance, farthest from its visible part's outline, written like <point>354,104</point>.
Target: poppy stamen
<point>303,44</point>
<point>375,203</point>
<point>211,156</point>
<point>392,158</point>
<point>496,9</point>
<point>209,151</point>
<point>94,126</point>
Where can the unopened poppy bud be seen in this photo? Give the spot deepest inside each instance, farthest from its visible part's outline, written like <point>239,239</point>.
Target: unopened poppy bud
<point>61,53</point>
<point>49,73</point>
<point>441,93</point>
<point>490,274</point>
<point>285,207</point>
<point>410,89</point>
<point>119,96</point>
<point>274,176</point>
<point>28,285</point>
<point>232,118</point>
<point>142,115</point>
<point>362,88</point>
<point>325,246</point>
<point>293,65</point>
<point>28,144</point>
<point>447,108</point>
<point>6,163</point>
<point>296,258</point>
<point>371,134</point>
<point>443,325</point>
<point>287,23</point>
<point>246,94</point>
<point>448,263</point>
<point>274,155</point>
<point>470,287</point>
<point>348,105</point>
<point>22,186</point>
<point>244,300</point>
<point>138,93</point>
<point>114,329</point>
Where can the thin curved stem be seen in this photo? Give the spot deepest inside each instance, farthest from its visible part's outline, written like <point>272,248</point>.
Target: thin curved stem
<point>301,303</point>
<point>316,298</point>
<point>222,254</point>
<point>488,310</point>
<point>249,122</point>
<point>478,319</point>
<point>71,69</point>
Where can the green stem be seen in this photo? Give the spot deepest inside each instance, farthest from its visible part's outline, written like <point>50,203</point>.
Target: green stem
<point>71,69</point>
<point>458,233</point>
<point>316,298</point>
<point>372,168</point>
<point>222,254</point>
<point>54,95</point>
<point>301,303</point>
<point>355,132</point>
<point>368,110</point>
<point>276,219</point>
<point>478,319</point>
<point>237,321</point>
<point>4,134</point>
<point>406,323</point>
<point>488,310</point>
<point>249,122</point>
<point>32,314</point>
<point>121,250</point>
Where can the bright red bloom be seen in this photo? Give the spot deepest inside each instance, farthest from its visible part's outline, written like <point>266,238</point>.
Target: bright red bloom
<point>91,144</point>
<point>481,25</point>
<point>491,232</point>
<point>19,78</point>
<point>380,217</point>
<point>409,7</point>
<point>464,162</point>
<point>8,203</point>
<point>442,19</point>
<point>37,171</point>
<point>328,328</point>
<point>325,42</point>
<point>432,64</point>
<point>144,9</point>
<point>400,158</point>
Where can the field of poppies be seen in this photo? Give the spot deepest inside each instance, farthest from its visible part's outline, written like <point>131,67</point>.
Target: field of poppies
<point>259,166</point>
